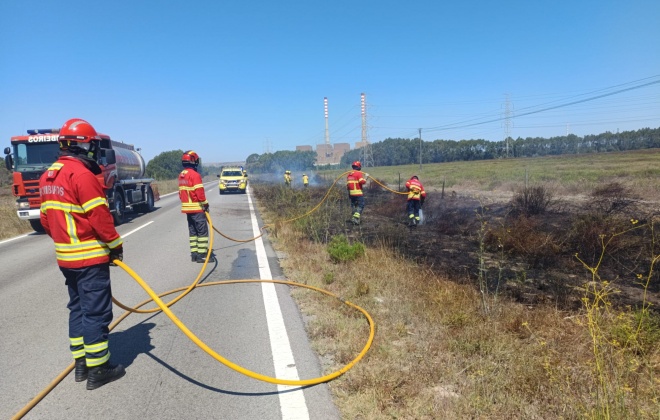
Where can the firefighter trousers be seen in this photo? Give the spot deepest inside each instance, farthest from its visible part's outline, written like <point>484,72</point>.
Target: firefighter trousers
<point>90,312</point>
<point>199,233</point>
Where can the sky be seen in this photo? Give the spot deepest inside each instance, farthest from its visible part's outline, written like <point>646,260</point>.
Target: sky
<point>232,78</point>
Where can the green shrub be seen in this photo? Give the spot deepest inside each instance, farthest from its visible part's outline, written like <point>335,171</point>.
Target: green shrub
<point>341,251</point>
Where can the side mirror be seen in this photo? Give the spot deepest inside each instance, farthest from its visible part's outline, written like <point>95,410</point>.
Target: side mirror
<point>7,150</point>
<point>108,157</point>
<point>9,162</point>
<point>217,176</point>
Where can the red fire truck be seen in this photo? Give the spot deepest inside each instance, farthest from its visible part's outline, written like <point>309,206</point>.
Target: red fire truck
<point>122,177</point>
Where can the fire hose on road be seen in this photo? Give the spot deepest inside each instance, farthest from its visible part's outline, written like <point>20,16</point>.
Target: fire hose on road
<point>165,307</point>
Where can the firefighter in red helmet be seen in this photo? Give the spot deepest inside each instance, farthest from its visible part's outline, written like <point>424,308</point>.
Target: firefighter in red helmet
<point>75,214</point>
<point>354,182</point>
<point>194,205</point>
<point>416,197</point>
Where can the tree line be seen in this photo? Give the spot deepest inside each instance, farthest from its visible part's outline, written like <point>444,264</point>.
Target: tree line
<point>399,151</point>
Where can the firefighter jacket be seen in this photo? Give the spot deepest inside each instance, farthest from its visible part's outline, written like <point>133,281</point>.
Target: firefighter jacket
<point>354,183</point>
<point>191,191</point>
<point>305,179</point>
<point>415,189</point>
<point>74,212</point>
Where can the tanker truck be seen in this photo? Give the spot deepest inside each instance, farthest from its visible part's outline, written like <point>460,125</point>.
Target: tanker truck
<point>122,176</point>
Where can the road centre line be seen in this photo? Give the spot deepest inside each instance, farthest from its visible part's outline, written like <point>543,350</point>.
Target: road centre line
<point>292,403</point>
<point>136,229</point>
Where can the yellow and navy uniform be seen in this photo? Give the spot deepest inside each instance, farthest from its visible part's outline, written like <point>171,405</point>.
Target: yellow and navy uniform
<point>193,204</point>
<point>416,197</point>
<point>75,214</point>
<point>354,182</point>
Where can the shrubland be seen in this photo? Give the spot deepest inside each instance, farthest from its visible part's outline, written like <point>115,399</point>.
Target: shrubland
<point>519,298</point>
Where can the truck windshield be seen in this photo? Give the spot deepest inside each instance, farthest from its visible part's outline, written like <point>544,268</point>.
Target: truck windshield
<point>34,156</point>
<point>232,173</point>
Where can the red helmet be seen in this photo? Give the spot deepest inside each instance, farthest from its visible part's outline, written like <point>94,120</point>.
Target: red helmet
<point>190,158</point>
<point>356,165</point>
<point>76,136</point>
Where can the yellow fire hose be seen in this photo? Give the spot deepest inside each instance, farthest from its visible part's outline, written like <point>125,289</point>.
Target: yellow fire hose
<point>165,308</point>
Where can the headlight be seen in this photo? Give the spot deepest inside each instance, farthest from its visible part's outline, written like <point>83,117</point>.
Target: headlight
<point>23,205</point>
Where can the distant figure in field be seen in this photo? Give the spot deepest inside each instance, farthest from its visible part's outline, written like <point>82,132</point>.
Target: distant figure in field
<point>416,197</point>
<point>354,182</point>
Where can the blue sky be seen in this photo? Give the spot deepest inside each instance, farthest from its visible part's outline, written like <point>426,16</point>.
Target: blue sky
<point>228,79</point>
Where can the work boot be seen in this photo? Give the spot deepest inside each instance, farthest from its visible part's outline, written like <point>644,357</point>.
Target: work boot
<point>81,369</point>
<point>103,374</point>
<point>201,258</point>
<point>193,256</point>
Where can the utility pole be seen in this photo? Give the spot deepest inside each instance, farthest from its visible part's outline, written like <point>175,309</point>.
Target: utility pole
<point>507,122</point>
<point>420,150</point>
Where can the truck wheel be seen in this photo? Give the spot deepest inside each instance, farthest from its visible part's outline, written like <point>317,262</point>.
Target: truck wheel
<point>119,208</point>
<point>149,205</point>
<point>36,225</point>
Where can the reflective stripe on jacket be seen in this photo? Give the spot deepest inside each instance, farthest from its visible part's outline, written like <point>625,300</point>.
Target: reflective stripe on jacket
<point>415,189</point>
<point>191,191</point>
<point>75,214</point>
<point>354,183</point>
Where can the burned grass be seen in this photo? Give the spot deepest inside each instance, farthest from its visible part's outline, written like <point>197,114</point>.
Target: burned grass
<point>480,312</point>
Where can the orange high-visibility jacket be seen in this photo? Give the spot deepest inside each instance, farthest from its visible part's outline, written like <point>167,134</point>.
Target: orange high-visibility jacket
<point>191,191</point>
<point>415,189</point>
<point>74,212</point>
<point>354,183</point>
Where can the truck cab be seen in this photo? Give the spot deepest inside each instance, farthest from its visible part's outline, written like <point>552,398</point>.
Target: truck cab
<point>122,176</point>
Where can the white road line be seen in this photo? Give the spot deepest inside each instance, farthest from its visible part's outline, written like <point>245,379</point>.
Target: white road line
<point>136,229</point>
<point>292,403</point>
<point>13,239</point>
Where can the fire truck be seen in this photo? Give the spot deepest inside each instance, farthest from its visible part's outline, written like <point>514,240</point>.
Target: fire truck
<point>122,176</point>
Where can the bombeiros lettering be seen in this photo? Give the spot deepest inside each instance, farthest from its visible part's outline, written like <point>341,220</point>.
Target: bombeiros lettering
<point>52,189</point>
<point>43,138</point>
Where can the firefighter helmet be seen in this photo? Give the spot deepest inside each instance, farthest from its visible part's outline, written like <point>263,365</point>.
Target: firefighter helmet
<point>190,159</point>
<point>76,136</point>
<point>356,165</point>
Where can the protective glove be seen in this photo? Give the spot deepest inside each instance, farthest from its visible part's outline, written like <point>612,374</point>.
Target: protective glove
<point>206,207</point>
<point>116,254</point>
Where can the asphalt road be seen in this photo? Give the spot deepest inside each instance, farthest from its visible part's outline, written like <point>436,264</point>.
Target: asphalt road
<point>255,325</point>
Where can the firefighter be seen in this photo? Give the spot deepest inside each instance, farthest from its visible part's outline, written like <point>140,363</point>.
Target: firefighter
<point>194,205</point>
<point>354,182</point>
<point>75,214</point>
<point>416,197</point>
<point>287,178</point>
<point>305,180</point>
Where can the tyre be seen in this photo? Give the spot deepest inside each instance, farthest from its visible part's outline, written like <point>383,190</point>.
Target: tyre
<point>148,206</point>
<point>119,208</point>
<point>36,225</point>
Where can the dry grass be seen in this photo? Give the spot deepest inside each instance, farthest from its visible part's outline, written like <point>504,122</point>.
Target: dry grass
<point>10,224</point>
<point>438,354</point>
